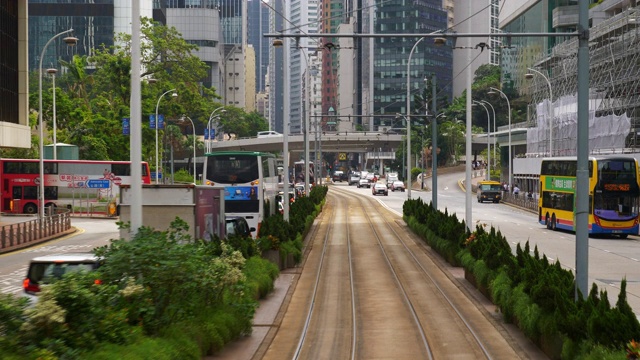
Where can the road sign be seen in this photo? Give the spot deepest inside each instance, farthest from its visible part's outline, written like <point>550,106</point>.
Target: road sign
<point>342,156</point>
<point>153,175</point>
<point>98,184</point>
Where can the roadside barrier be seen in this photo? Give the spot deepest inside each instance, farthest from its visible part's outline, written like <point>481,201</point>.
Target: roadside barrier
<point>27,233</point>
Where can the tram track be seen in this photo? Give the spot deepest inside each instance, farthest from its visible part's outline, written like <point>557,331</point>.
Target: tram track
<point>368,289</point>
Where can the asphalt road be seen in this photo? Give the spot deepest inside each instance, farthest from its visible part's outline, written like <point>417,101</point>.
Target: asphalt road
<point>90,233</point>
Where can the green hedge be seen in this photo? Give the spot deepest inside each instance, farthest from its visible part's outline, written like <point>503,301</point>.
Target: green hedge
<point>530,291</point>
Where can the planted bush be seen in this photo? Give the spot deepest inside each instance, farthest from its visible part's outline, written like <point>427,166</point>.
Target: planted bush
<point>532,292</point>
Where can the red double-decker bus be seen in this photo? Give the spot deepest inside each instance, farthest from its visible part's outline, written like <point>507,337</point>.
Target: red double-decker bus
<point>67,183</point>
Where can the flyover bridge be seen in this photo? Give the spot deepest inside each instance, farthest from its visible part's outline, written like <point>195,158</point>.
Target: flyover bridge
<point>370,145</point>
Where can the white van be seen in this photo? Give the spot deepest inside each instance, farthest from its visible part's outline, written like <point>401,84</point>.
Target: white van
<point>264,134</point>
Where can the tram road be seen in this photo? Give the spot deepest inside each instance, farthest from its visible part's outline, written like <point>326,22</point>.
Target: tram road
<point>370,289</point>
<point>328,332</point>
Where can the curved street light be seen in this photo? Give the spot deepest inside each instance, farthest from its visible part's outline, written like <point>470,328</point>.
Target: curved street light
<point>69,41</point>
<point>550,111</point>
<point>488,177</point>
<point>193,126</point>
<point>175,94</point>
<point>211,117</point>
<point>494,131</point>
<point>494,91</point>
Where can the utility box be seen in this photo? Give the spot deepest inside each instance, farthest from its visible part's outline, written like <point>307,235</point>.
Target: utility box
<point>201,207</point>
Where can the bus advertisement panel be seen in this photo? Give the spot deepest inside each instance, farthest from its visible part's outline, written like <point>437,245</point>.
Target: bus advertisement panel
<point>614,195</point>
<point>250,183</point>
<point>67,183</point>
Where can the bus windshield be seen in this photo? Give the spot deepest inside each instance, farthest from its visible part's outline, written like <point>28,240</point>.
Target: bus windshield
<point>233,169</point>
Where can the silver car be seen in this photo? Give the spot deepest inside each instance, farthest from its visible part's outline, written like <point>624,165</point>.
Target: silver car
<point>397,185</point>
<point>44,270</point>
<point>364,183</point>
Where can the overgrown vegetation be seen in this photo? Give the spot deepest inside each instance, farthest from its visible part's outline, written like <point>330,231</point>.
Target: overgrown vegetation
<point>530,291</point>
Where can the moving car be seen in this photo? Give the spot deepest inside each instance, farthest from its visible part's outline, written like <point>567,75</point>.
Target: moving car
<point>337,175</point>
<point>397,185</point>
<point>489,191</point>
<point>380,188</point>
<point>237,225</point>
<point>391,177</point>
<point>47,269</point>
<point>264,134</point>
<point>354,178</point>
<point>364,183</point>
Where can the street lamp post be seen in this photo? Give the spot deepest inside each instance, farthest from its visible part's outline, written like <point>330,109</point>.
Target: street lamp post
<point>550,111</point>
<point>55,126</point>
<point>306,121</point>
<point>193,126</point>
<point>222,110</point>
<point>408,118</point>
<point>494,130</point>
<point>70,41</point>
<point>488,177</point>
<point>493,91</point>
<point>156,126</point>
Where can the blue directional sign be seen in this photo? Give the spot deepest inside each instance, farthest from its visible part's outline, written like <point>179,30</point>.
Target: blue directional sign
<point>126,130</point>
<point>98,184</point>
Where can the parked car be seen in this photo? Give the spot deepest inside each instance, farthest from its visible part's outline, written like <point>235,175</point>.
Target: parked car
<point>397,185</point>
<point>47,269</point>
<point>237,225</point>
<point>354,178</point>
<point>379,188</point>
<point>364,183</point>
<point>337,175</point>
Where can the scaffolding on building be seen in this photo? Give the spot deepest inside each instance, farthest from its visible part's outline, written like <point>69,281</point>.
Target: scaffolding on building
<point>614,94</point>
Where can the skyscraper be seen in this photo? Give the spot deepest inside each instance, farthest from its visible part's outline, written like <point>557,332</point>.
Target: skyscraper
<point>391,54</point>
<point>94,23</point>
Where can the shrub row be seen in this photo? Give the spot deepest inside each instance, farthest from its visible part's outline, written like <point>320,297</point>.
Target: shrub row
<point>531,292</point>
<point>287,237</point>
<point>160,295</point>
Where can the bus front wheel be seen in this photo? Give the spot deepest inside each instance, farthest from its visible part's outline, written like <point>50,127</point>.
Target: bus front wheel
<point>30,208</point>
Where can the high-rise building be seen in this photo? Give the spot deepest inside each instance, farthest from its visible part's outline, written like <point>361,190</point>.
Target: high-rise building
<point>304,20</point>
<point>94,23</point>
<point>614,99</point>
<point>258,25</point>
<point>482,17</point>
<point>14,91</point>
<point>391,54</point>
<point>331,16</point>
<point>276,68</point>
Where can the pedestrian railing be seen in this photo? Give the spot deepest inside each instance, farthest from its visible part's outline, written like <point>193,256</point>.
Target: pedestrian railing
<point>22,234</point>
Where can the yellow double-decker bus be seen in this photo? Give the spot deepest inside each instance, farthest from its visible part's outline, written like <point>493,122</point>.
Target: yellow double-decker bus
<point>614,195</point>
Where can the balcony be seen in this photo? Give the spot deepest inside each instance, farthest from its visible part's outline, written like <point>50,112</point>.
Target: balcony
<point>565,16</point>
